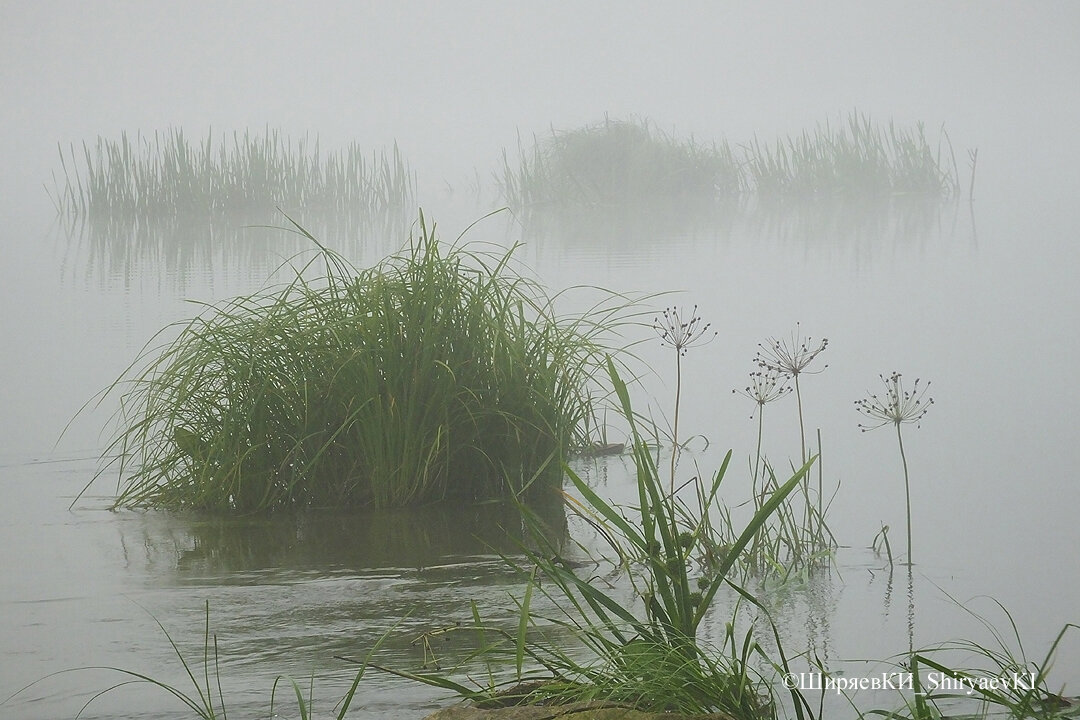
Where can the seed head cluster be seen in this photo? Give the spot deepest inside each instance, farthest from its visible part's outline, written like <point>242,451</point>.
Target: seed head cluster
<point>765,386</point>
<point>682,334</point>
<point>792,356</point>
<point>898,406</point>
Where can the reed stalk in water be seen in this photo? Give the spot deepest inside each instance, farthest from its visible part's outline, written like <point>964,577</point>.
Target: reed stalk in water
<point>897,407</point>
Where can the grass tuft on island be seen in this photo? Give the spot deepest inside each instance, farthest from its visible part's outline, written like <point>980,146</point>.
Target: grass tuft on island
<point>440,373</point>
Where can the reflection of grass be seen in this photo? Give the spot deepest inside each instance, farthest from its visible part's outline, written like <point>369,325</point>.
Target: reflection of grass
<point>182,248</point>
<point>178,203</point>
<point>861,228</point>
<point>437,374</point>
<point>400,537</point>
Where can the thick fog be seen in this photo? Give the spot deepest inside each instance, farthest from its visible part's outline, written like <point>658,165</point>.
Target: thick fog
<point>979,297</point>
<point>454,82</point>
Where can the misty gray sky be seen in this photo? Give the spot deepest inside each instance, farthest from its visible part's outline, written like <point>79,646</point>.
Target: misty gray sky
<point>453,82</point>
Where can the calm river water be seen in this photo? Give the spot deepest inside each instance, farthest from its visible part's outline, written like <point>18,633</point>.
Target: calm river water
<point>981,299</point>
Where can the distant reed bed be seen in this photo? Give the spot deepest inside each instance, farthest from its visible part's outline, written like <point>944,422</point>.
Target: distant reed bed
<point>617,162</point>
<point>632,165</point>
<point>856,158</point>
<point>439,373</point>
<point>168,175</point>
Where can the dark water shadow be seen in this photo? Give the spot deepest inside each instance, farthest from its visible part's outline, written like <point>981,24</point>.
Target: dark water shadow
<point>329,543</point>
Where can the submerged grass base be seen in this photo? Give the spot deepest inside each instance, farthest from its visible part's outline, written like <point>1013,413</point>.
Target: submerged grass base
<point>436,374</point>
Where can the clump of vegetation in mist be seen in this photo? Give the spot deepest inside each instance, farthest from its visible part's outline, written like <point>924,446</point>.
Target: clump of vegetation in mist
<point>857,158</point>
<point>150,180</point>
<point>439,373</point>
<point>629,164</point>
<point>617,163</point>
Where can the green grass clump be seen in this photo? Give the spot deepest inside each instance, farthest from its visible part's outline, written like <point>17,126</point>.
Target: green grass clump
<point>437,374</point>
<point>970,679</point>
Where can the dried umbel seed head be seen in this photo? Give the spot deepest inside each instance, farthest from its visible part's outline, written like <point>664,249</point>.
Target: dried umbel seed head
<point>677,332</point>
<point>898,406</point>
<point>765,386</point>
<point>790,357</point>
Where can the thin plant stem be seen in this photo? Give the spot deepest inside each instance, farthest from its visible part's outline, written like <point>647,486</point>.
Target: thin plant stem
<point>898,406</point>
<point>802,432</point>
<point>764,387</point>
<point>802,444</point>
<point>754,552</point>
<point>910,609</point>
<point>675,427</point>
<point>791,359</point>
<point>820,492</point>
<point>907,491</point>
<point>680,334</point>
<point>757,456</point>
<point>973,156</point>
